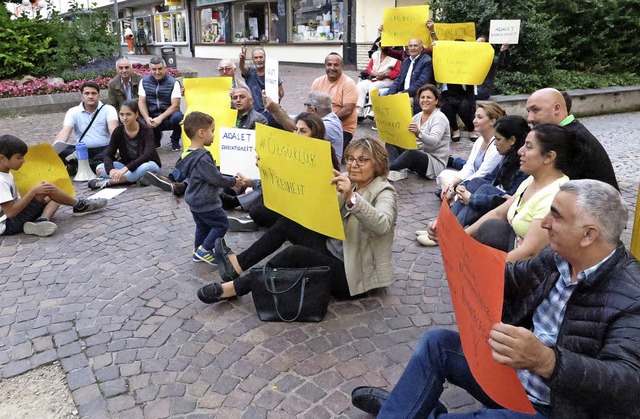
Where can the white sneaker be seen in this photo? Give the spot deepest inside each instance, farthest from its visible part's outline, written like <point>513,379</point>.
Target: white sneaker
<point>421,232</point>
<point>395,176</point>
<point>426,241</point>
<point>39,228</point>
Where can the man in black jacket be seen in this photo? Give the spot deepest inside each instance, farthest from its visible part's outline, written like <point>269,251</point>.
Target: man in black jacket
<point>570,324</point>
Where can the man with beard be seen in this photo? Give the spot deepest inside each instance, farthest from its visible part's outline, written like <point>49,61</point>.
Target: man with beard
<point>254,77</point>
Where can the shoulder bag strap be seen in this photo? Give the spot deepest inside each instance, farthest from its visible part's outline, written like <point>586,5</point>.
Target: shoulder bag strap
<point>95,115</point>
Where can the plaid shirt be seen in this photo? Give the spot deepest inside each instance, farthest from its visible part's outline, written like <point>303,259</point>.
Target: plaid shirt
<point>546,323</point>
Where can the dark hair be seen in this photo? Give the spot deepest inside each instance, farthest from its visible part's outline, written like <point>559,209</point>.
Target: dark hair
<point>433,89</point>
<point>89,83</point>
<point>376,149</point>
<point>196,121</point>
<point>518,128</point>
<point>315,124</point>
<point>567,100</point>
<point>11,145</point>
<point>131,104</point>
<point>155,60</point>
<point>334,53</point>
<point>555,138</point>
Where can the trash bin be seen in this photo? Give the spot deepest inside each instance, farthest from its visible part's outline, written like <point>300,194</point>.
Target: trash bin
<point>169,55</point>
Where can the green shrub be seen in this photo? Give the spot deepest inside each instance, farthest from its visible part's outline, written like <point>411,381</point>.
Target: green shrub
<point>511,83</point>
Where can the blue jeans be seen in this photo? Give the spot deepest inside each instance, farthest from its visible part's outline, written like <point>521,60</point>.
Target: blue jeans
<point>134,176</point>
<point>210,225</point>
<point>439,357</point>
<point>172,124</point>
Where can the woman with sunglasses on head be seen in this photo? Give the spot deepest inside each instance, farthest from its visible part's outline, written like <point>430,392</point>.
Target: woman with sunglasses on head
<point>361,262</point>
<point>433,137</point>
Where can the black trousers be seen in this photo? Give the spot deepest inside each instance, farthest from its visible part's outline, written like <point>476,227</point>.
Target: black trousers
<point>96,156</point>
<point>414,160</point>
<point>457,101</point>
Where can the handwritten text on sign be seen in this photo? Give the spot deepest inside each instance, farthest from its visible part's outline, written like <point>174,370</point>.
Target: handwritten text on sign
<point>42,164</point>
<point>462,62</point>
<point>400,24</point>
<point>237,152</point>
<point>271,79</point>
<point>393,117</point>
<point>476,280</point>
<point>453,31</point>
<point>296,173</point>
<point>504,31</point>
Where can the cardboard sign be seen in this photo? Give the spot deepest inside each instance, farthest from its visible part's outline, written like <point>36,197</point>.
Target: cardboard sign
<point>400,24</point>
<point>504,32</point>
<point>42,164</point>
<point>462,62</point>
<point>211,96</point>
<point>271,76</point>
<point>475,273</point>
<point>296,173</point>
<point>393,117</point>
<point>453,31</point>
<point>238,152</point>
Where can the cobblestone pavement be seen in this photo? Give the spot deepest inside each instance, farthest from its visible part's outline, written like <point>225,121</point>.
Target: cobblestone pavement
<point>112,296</point>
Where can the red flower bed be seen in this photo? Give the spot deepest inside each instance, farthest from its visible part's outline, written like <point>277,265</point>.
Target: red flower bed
<point>11,88</point>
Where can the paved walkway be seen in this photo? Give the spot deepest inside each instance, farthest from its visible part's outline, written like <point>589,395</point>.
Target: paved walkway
<point>112,296</point>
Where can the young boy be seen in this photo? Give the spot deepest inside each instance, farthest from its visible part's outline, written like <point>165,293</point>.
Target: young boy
<point>31,213</point>
<point>204,184</point>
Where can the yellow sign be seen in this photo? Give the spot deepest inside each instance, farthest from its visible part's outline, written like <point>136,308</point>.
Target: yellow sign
<point>296,175</point>
<point>453,31</point>
<point>400,24</point>
<point>211,96</point>
<point>42,164</point>
<point>635,233</point>
<point>461,62</point>
<point>393,117</point>
<point>176,3</point>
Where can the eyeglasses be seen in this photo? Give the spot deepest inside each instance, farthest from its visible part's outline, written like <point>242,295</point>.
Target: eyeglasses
<point>224,69</point>
<point>308,105</point>
<point>360,161</point>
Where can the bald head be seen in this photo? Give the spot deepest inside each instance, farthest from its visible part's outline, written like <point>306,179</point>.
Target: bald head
<point>546,106</point>
<point>414,47</point>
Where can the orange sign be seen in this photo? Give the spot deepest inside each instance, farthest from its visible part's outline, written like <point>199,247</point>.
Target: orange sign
<point>476,280</point>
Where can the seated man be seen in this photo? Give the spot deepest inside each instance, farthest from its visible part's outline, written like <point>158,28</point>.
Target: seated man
<point>92,122</point>
<point>159,102</point>
<point>570,324</point>
<point>247,116</point>
<point>124,86</point>
<point>415,71</point>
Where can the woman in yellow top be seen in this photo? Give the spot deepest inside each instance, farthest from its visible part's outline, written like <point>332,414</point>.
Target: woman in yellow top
<point>515,226</point>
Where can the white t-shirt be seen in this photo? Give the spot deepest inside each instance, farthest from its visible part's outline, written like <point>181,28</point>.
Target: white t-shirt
<point>175,93</point>
<point>98,135</point>
<point>8,192</point>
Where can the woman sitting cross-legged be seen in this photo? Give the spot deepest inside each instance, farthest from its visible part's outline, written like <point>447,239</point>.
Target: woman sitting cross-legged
<point>133,143</point>
<point>433,137</point>
<point>515,226</point>
<point>368,204</point>
<point>478,196</point>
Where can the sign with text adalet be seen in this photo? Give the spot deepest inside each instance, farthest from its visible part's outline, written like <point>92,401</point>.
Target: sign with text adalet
<point>462,62</point>
<point>453,31</point>
<point>504,32</point>
<point>393,117</point>
<point>475,273</point>
<point>238,152</point>
<point>296,173</point>
<point>271,76</point>
<point>400,24</point>
<point>42,164</point>
<point>211,96</point>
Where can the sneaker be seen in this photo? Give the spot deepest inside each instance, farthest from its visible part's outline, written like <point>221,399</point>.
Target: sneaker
<point>374,127</point>
<point>143,182</point>
<point>205,255</point>
<point>98,183</point>
<point>426,241</point>
<point>179,188</point>
<point>88,206</point>
<point>176,148</point>
<point>242,224</point>
<point>39,228</point>
<point>160,181</point>
<point>194,257</point>
<point>395,176</point>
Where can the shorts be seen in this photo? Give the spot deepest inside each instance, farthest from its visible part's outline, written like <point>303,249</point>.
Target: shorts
<point>31,212</point>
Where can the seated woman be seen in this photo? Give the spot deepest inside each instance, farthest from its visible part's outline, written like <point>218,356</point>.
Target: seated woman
<point>515,226</point>
<point>380,72</point>
<point>431,129</point>
<point>484,156</point>
<point>134,144</point>
<point>478,196</point>
<point>358,264</point>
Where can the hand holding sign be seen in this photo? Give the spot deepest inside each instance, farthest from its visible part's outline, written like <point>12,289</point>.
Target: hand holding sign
<point>393,117</point>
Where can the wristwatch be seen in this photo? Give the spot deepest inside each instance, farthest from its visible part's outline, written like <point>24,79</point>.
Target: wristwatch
<point>352,201</point>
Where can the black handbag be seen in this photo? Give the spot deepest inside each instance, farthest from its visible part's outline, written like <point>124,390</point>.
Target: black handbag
<point>291,294</point>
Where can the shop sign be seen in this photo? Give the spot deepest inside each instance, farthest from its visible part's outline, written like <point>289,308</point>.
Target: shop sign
<point>200,3</point>
<point>176,3</point>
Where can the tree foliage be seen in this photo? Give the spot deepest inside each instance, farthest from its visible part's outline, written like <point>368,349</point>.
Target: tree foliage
<point>44,47</point>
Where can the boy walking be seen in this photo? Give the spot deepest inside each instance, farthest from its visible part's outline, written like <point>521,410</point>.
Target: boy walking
<point>204,185</point>
<point>31,213</point>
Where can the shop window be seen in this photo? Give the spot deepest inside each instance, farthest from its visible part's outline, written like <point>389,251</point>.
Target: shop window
<point>317,20</point>
<point>170,27</point>
<point>211,25</point>
<point>255,21</point>
<point>142,29</point>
